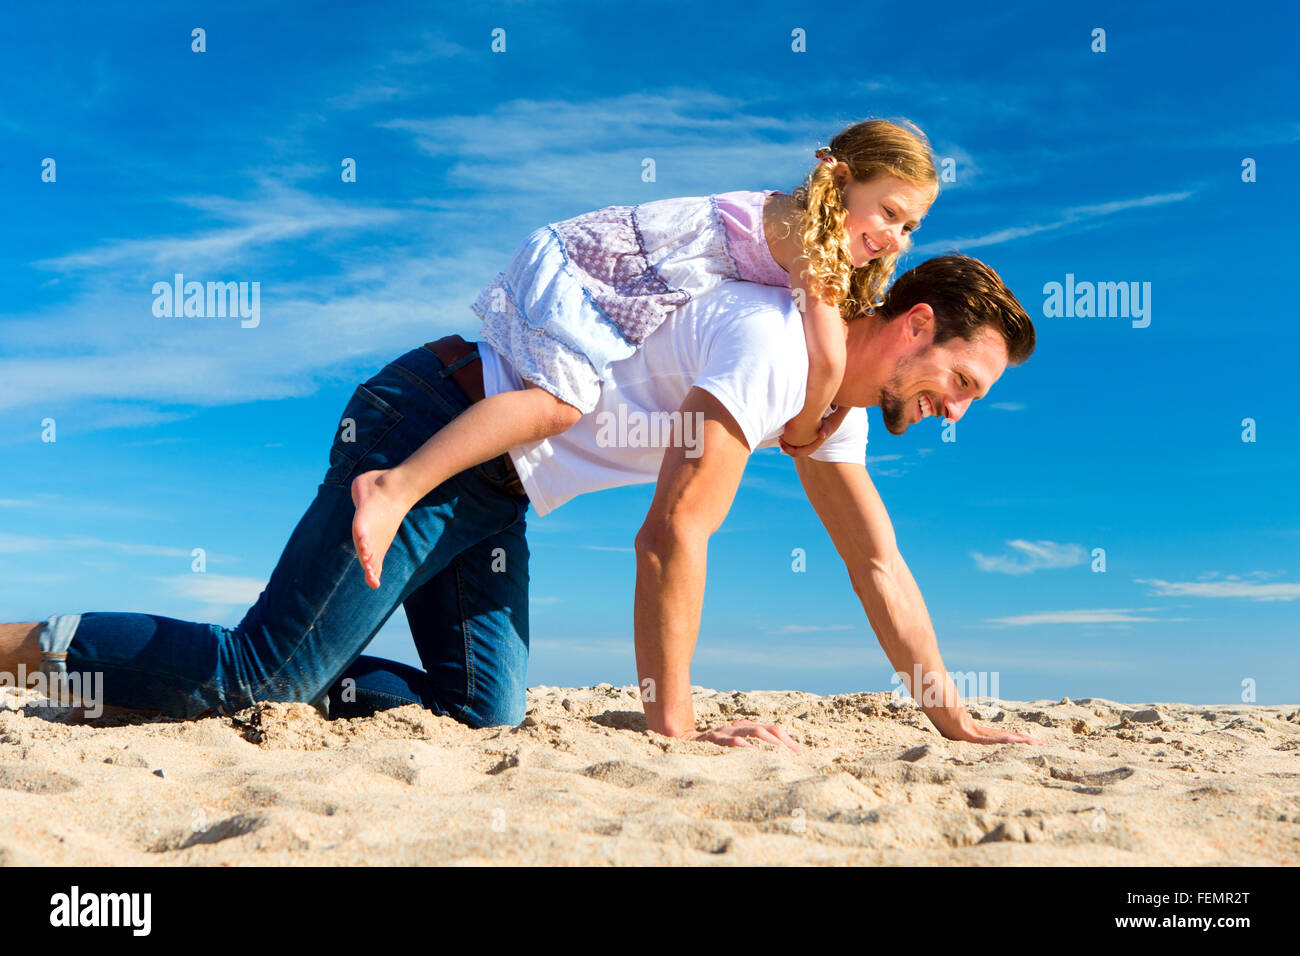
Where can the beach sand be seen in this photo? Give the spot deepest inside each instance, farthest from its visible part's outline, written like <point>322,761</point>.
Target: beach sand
<point>583,782</point>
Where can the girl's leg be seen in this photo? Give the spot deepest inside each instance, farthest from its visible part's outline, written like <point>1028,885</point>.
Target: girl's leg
<point>486,430</point>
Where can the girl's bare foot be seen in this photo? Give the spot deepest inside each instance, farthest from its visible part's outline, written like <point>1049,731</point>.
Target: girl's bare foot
<point>378,516</point>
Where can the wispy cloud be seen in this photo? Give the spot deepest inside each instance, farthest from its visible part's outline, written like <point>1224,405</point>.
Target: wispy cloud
<point>1068,217</point>
<point>1094,616</point>
<point>404,73</point>
<point>17,544</point>
<point>380,277</point>
<point>776,487</point>
<point>1031,556</point>
<point>215,589</point>
<point>279,214</point>
<point>1228,587</point>
<point>534,150</point>
<point>312,326</point>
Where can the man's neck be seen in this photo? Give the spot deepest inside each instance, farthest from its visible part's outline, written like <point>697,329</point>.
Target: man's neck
<point>862,346</point>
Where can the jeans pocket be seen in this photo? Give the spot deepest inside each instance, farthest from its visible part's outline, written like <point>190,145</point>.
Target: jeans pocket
<point>366,419</point>
<point>500,473</point>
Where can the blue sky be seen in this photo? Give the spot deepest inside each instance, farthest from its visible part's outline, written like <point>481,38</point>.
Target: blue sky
<point>1122,166</point>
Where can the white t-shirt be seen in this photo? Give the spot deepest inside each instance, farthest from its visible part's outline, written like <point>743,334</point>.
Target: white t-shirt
<point>742,342</point>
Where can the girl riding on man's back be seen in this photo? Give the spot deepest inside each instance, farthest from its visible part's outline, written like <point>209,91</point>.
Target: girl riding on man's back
<point>584,293</point>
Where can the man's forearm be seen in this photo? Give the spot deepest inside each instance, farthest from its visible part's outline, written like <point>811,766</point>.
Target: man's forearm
<point>670,572</point>
<point>898,615</point>
<point>855,517</point>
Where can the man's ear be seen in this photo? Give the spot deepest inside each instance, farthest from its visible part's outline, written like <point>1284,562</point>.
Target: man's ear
<point>920,320</point>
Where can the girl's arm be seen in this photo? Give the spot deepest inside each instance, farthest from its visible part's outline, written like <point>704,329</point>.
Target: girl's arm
<point>823,330</point>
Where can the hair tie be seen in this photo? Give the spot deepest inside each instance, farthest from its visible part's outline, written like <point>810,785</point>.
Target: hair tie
<point>824,154</point>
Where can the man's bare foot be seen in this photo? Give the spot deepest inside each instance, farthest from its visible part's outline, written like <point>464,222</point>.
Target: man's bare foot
<point>379,514</point>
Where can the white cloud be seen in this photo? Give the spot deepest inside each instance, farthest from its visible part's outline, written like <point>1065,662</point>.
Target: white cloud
<point>1096,616</point>
<point>215,589</point>
<point>1226,588</point>
<point>1068,217</point>
<point>403,74</point>
<point>16,544</point>
<point>777,488</point>
<point>312,327</point>
<point>278,215</point>
<point>1032,556</point>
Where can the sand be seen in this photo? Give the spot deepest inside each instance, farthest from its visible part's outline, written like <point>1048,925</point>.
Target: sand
<point>583,782</point>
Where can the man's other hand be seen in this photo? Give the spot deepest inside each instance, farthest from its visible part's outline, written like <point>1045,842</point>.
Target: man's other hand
<point>735,734</point>
<point>983,734</point>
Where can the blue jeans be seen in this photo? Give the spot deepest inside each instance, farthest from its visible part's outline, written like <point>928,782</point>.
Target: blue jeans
<point>459,566</point>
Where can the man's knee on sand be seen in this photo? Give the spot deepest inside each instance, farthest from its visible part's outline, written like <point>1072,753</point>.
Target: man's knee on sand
<point>502,714</point>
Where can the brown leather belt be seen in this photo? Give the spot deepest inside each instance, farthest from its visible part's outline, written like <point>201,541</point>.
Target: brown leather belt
<point>452,349</point>
<point>467,372</point>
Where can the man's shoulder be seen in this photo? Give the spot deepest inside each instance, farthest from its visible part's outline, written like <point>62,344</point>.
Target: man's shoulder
<point>749,345</point>
<point>754,318</point>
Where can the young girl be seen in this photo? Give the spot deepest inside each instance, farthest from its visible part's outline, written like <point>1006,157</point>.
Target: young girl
<point>584,293</point>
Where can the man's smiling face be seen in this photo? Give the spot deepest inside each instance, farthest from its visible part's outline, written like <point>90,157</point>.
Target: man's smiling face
<point>947,330</point>
<point>940,380</point>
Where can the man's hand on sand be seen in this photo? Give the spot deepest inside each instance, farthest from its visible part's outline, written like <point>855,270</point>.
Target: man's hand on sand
<point>983,734</point>
<point>735,734</point>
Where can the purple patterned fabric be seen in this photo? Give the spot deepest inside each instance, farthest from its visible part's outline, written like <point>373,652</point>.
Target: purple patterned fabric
<point>584,293</point>
<point>742,214</point>
<point>604,248</point>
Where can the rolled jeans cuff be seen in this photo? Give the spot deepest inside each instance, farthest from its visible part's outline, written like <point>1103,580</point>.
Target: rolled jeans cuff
<point>55,638</point>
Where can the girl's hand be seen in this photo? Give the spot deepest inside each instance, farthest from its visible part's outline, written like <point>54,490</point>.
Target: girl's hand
<point>790,443</point>
<point>802,450</point>
<point>803,438</point>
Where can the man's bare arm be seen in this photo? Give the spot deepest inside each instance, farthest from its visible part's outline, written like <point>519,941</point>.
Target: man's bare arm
<point>691,499</point>
<point>850,507</point>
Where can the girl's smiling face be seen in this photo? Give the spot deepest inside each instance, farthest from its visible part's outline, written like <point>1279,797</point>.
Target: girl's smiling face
<point>882,212</point>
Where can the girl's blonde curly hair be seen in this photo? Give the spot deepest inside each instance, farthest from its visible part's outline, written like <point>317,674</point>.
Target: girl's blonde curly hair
<point>869,149</point>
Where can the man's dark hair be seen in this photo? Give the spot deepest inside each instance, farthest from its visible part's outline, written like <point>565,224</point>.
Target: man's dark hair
<point>966,295</point>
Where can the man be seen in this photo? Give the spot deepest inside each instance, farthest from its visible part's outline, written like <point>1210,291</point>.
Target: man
<point>732,364</point>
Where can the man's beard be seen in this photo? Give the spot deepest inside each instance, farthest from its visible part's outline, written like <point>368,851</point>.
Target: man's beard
<point>893,407</point>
